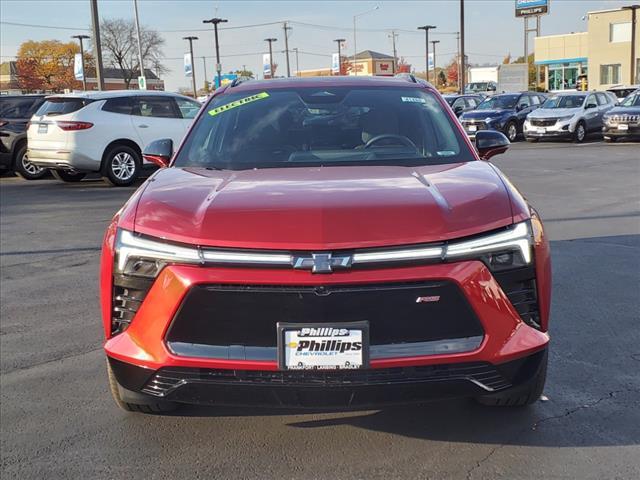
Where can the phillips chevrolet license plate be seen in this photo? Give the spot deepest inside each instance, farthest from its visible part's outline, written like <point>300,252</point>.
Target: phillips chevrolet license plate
<point>472,128</point>
<point>318,346</point>
<point>623,126</point>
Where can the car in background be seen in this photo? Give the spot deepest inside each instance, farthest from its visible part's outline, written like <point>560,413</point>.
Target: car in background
<point>505,112</point>
<point>15,112</point>
<point>482,88</point>
<point>568,115</point>
<point>622,91</point>
<point>463,103</point>
<point>105,132</point>
<point>623,121</point>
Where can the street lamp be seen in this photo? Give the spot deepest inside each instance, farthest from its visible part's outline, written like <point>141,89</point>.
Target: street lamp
<point>84,76</point>
<point>426,29</point>
<point>633,68</point>
<point>355,50</point>
<point>193,67</point>
<point>215,22</point>
<point>297,62</point>
<point>435,78</point>
<point>270,40</point>
<point>339,42</point>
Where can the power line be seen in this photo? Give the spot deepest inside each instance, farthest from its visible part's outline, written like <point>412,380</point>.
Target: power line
<point>15,24</point>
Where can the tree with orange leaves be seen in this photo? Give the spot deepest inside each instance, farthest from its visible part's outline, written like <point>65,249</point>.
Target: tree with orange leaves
<point>46,65</point>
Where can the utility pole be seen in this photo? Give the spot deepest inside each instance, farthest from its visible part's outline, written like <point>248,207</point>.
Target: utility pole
<point>435,77</point>
<point>426,29</point>
<point>634,23</point>
<point>297,64</point>
<point>204,69</point>
<point>193,67</point>
<point>140,60</point>
<point>270,40</point>
<point>458,62</point>
<point>84,75</point>
<point>215,22</point>
<point>286,47</point>
<point>463,68</point>
<point>395,53</point>
<point>97,48</point>
<point>339,42</point>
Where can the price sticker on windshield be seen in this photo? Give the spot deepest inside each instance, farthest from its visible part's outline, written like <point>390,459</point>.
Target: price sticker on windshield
<point>238,103</point>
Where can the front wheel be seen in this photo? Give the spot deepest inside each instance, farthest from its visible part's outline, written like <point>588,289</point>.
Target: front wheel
<point>67,176</point>
<point>121,166</point>
<point>580,133</point>
<point>511,131</point>
<point>25,168</point>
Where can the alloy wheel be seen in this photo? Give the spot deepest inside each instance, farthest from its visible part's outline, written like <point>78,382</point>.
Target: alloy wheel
<point>580,132</point>
<point>123,166</point>
<point>29,167</point>
<point>512,132</point>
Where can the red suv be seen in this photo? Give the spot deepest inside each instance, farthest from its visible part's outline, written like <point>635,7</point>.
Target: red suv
<point>325,242</point>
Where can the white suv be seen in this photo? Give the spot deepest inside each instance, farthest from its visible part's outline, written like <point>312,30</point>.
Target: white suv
<point>105,132</point>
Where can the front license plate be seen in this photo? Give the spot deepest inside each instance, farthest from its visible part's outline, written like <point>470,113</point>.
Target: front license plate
<point>541,130</point>
<point>317,346</point>
<point>43,128</point>
<point>472,128</point>
<point>623,126</point>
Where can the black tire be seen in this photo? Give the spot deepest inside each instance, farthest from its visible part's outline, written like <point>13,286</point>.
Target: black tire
<point>144,405</point>
<point>67,176</point>
<point>520,396</point>
<point>532,140</point>
<point>511,131</point>
<point>121,166</point>
<point>24,168</point>
<point>580,133</point>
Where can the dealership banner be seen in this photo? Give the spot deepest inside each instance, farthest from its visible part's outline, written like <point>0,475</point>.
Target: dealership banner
<point>78,72</point>
<point>335,63</point>
<point>430,60</point>
<point>188,68</point>
<point>525,8</point>
<point>266,65</point>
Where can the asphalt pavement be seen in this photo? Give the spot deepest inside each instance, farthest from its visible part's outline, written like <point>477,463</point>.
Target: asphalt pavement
<point>57,418</point>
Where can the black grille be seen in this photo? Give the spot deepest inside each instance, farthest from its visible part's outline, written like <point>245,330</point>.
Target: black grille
<point>168,379</point>
<point>128,294</point>
<point>543,122</point>
<point>479,125</point>
<point>520,287</point>
<point>247,315</point>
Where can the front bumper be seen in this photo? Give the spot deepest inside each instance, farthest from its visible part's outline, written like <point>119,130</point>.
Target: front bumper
<point>561,129</point>
<point>614,131</point>
<point>143,351</point>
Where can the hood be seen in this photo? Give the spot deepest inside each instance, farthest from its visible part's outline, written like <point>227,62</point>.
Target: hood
<point>623,111</point>
<point>554,112</point>
<point>305,208</point>
<point>482,114</point>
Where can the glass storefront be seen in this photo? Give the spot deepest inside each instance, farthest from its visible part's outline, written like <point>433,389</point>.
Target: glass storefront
<point>564,76</point>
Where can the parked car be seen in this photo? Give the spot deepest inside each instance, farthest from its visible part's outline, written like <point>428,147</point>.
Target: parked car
<point>15,112</point>
<point>622,91</point>
<point>623,121</point>
<point>568,115</point>
<point>505,112</point>
<point>463,103</point>
<point>482,88</point>
<point>322,242</point>
<point>105,132</point>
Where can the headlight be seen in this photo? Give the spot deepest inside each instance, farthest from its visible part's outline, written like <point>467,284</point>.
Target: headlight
<point>490,119</point>
<point>566,117</point>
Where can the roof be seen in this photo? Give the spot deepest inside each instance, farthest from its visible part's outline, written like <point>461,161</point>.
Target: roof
<point>367,54</point>
<point>334,81</point>
<point>101,95</point>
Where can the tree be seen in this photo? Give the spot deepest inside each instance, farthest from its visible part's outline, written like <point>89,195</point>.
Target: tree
<point>46,65</point>
<point>244,73</point>
<point>403,66</point>
<point>452,72</point>
<point>507,59</point>
<point>119,42</point>
<point>442,78</point>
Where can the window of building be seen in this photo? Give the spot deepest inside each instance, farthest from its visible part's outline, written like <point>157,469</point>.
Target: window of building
<point>620,32</point>
<point>637,70</point>
<point>563,76</point>
<point>610,74</point>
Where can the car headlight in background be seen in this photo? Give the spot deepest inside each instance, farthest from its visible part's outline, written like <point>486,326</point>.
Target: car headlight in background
<point>565,118</point>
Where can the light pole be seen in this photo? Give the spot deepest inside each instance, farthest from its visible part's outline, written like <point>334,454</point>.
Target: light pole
<point>634,22</point>
<point>339,42</point>
<point>140,60</point>
<point>426,29</point>
<point>215,22</point>
<point>355,50</point>
<point>395,53</point>
<point>193,66</point>
<point>286,47</point>
<point>84,75</point>
<point>97,48</point>
<point>270,40</point>
<point>463,64</point>
<point>297,63</point>
<point>435,77</point>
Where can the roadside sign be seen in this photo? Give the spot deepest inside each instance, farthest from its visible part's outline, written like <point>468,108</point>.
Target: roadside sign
<point>335,63</point>
<point>266,64</point>
<point>188,68</point>
<point>78,72</point>
<point>226,78</point>
<point>142,83</point>
<point>527,8</point>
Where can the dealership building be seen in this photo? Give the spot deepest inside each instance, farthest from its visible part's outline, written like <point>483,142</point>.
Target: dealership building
<point>603,54</point>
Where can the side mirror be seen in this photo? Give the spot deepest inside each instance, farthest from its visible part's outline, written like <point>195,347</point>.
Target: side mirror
<point>490,143</point>
<point>159,152</point>
<point>590,105</point>
<point>522,106</point>
<point>458,110</point>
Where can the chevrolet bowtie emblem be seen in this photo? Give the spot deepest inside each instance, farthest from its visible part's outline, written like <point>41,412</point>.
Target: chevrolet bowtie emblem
<point>322,262</point>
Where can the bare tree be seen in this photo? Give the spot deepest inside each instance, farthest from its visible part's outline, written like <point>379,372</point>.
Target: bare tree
<point>120,45</point>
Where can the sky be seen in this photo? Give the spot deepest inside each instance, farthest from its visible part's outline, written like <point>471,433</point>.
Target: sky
<point>492,30</point>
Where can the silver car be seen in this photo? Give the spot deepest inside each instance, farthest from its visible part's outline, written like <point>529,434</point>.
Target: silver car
<point>568,115</point>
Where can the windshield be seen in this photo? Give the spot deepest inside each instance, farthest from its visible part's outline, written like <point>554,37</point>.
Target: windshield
<point>498,102</point>
<point>477,87</point>
<point>564,101</point>
<point>450,99</point>
<point>323,126</point>
<point>632,100</point>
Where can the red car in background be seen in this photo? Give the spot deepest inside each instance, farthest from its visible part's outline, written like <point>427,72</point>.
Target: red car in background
<point>325,242</point>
